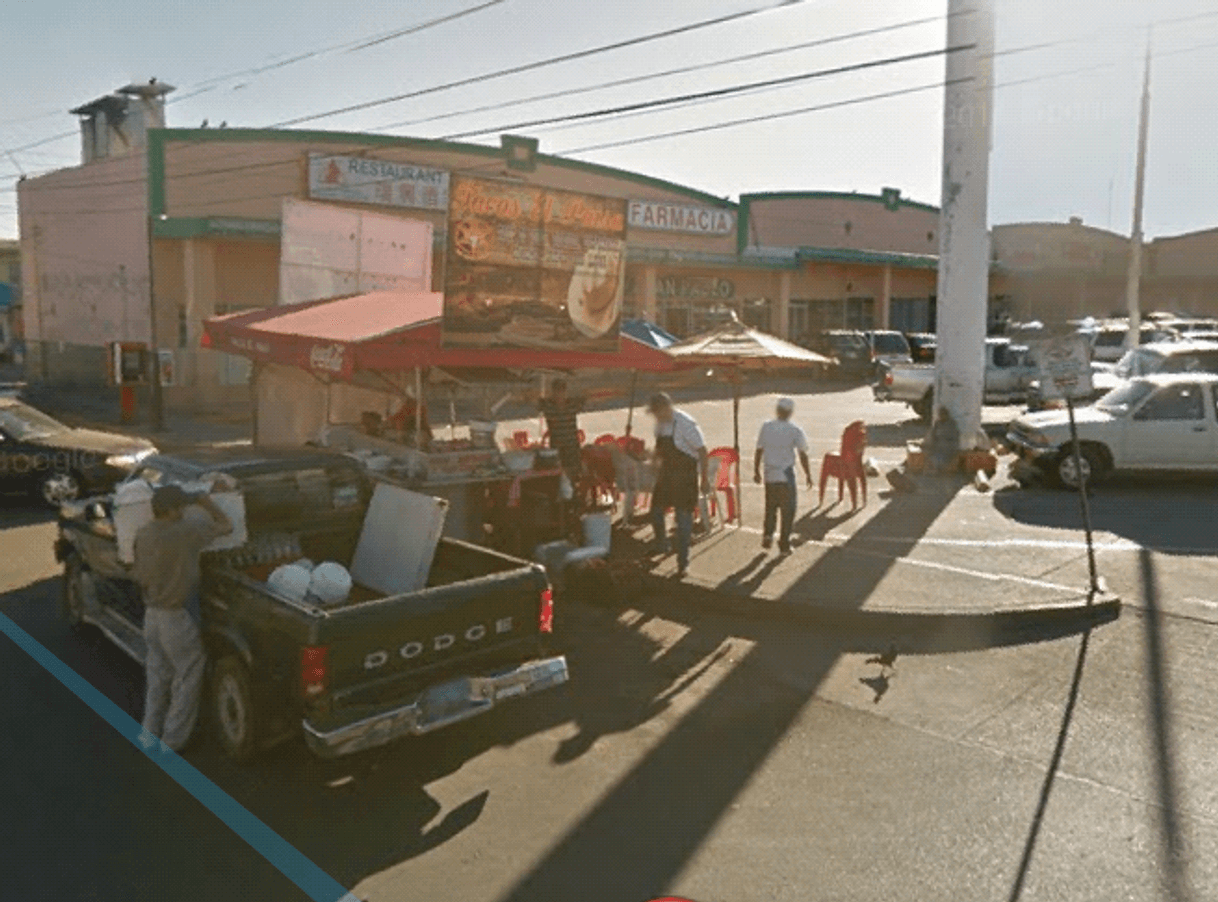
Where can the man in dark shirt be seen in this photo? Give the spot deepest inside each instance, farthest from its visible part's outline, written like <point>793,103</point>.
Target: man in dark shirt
<point>167,569</point>
<point>561,411</point>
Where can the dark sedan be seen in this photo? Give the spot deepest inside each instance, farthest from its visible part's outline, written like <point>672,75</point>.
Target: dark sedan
<point>40,455</point>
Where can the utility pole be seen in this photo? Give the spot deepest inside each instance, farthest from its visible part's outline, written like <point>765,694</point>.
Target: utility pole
<point>1133,283</point>
<point>964,239</point>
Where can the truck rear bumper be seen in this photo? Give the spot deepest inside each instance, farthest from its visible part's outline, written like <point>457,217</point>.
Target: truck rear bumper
<point>439,706</point>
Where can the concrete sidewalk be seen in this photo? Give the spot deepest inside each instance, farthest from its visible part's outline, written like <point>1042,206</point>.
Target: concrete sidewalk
<point>866,569</point>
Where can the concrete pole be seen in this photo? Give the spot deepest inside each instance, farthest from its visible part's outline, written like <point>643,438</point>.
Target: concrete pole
<point>964,241</point>
<point>884,319</point>
<point>1133,280</point>
<point>781,326</point>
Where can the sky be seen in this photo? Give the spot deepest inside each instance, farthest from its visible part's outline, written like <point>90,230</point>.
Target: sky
<point>1066,106</point>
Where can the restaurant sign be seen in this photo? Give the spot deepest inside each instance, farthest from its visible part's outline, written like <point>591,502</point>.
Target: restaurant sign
<point>691,219</point>
<point>535,268</point>
<point>360,180</point>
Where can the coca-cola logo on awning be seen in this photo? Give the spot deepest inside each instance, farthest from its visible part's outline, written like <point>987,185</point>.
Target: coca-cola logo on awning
<point>327,358</point>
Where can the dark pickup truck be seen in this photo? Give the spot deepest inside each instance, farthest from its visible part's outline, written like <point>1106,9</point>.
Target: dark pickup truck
<point>347,677</point>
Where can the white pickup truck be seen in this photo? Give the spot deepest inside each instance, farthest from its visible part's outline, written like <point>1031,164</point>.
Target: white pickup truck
<point>1009,371</point>
<point>1162,422</point>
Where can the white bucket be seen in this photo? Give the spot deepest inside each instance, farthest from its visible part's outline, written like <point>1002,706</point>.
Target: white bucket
<point>132,509</point>
<point>598,530</point>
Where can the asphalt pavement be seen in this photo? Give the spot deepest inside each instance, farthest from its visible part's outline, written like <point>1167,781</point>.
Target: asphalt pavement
<point>717,757</point>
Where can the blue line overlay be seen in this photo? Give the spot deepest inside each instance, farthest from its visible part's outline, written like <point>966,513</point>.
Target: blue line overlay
<point>285,857</point>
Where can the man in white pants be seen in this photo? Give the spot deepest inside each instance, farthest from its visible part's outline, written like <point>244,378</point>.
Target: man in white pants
<point>167,569</point>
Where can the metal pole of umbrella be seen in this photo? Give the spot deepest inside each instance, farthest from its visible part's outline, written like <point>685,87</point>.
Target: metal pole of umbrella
<point>736,445</point>
<point>418,407</point>
<point>634,384</point>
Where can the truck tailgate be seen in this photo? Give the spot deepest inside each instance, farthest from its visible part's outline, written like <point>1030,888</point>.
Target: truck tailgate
<point>389,650</point>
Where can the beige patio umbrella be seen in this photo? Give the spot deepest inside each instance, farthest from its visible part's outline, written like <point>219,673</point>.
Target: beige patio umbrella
<point>734,345</point>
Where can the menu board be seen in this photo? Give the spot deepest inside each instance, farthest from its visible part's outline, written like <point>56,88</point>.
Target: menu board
<point>532,267</point>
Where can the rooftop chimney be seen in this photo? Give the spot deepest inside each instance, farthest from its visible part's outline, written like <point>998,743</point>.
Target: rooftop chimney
<point>117,124</point>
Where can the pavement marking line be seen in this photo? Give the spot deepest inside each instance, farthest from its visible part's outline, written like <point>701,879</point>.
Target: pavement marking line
<point>934,565</point>
<point>1046,544</point>
<point>281,854</point>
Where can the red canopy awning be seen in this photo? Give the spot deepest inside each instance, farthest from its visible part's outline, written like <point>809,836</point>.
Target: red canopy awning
<point>389,331</point>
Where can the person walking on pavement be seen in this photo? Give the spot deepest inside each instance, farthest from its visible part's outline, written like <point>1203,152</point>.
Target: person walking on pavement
<point>167,570</point>
<point>681,478</point>
<point>778,443</point>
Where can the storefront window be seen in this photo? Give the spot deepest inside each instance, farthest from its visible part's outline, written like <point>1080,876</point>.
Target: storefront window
<point>860,313</point>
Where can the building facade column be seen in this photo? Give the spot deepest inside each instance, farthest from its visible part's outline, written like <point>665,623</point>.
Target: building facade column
<point>198,370</point>
<point>782,310</point>
<point>650,308</point>
<point>884,314</point>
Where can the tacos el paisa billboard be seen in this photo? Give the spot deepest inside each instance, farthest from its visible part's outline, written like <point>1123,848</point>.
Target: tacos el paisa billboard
<point>533,267</point>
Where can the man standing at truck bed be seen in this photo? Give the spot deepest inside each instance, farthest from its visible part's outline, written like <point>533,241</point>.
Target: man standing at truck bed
<point>167,569</point>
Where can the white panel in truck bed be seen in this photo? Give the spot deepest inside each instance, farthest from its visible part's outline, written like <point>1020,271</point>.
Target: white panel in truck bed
<point>398,542</point>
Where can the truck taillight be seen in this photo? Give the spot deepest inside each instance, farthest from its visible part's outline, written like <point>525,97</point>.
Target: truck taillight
<point>545,612</point>
<point>888,378</point>
<point>314,670</point>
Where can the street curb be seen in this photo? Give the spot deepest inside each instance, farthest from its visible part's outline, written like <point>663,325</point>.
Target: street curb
<point>1050,618</point>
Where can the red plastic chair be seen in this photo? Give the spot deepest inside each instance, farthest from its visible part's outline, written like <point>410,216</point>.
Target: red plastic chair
<point>847,466</point>
<point>607,439</point>
<point>598,485</point>
<point>725,482</point>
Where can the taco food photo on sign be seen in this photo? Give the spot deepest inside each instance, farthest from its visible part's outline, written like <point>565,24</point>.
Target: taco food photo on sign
<point>533,268</point>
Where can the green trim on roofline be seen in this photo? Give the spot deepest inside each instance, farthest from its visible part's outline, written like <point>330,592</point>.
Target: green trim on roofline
<point>156,172</point>
<point>834,195</point>
<point>648,256</point>
<point>237,135</point>
<point>198,227</point>
<point>875,258</point>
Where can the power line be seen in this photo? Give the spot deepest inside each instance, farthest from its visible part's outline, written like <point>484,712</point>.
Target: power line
<point>681,70</point>
<point>295,159</point>
<point>347,46</point>
<point>202,87</point>
<point>721,92</point>
<point>540,64</point>
<point>883,95</point>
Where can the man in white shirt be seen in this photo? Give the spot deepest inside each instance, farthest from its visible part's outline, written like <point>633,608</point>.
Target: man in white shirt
<point>778,443</point>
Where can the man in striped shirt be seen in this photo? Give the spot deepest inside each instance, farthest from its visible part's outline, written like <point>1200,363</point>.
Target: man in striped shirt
<point>561,411</point>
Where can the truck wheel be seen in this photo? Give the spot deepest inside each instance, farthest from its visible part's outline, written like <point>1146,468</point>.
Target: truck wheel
<point>72,594</point>
<point>58,487</point>
<point>1094,465</point>
<point>233,709</point>
<point>925,408</point>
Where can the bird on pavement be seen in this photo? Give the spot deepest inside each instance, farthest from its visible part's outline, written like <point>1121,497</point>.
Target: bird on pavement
<point>887,659</point>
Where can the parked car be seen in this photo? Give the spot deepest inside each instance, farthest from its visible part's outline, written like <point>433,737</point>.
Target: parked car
<point>1187,356</point>
<point>1186,327</point>
<point>1108,342</point>
<point>1009,370</point>
<point>850,349</point>
<point>922,346</point>
<point>40,455</point>
<point>888,348</point>
<point>1161,422</point>
<point>346,676</point>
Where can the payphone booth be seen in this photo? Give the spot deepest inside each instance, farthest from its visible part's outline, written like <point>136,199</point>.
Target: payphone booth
<point>129,368</point>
